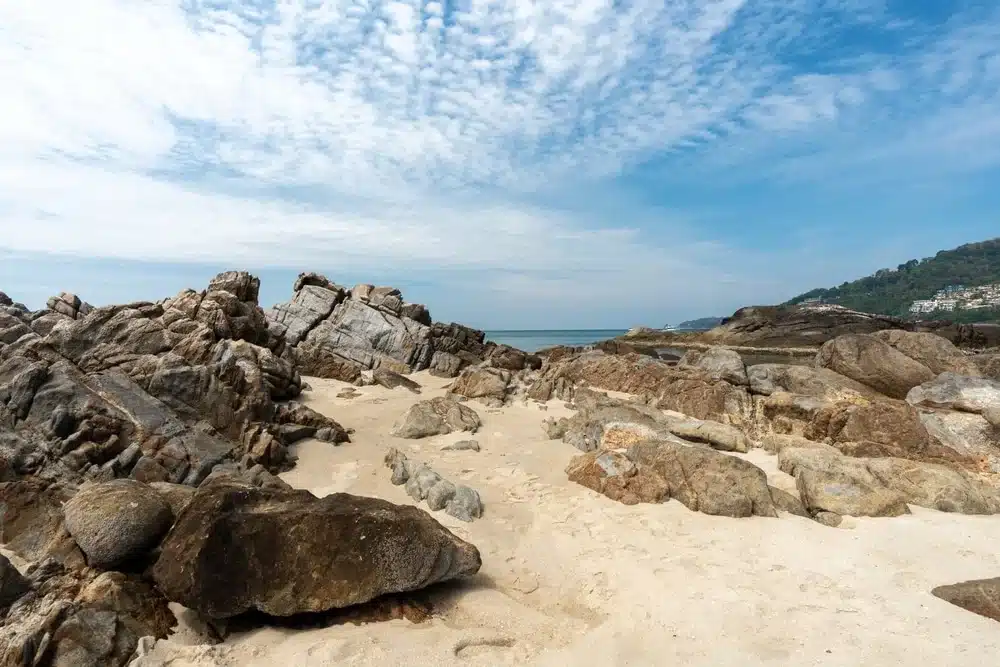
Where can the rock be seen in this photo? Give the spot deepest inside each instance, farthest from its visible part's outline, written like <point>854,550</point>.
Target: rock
<point>796,326</point>
<point>883,428</point>
<point>831,519</point>
<point>788,414</point>
<point>723,437</point>
<point>787,502</point>
<point>465,505</point>
<point>874,363</point>
<point>719,362</point>
<point>930,350</point>
<point>988,365</point>
<point>462,446</point>
<point>834,483</point>
<point>883,486</point>
<point>508,358</point>
<point>310,305</point>
<point>980,596</point>
<point>822,383</point>
<point>388,379</point>
<point>12,584</point>
<point>445,364</point>
<point>705,480</point>
<point>436,416</point>
<point>177,495</point>
<point>950,391</point>
<point>775,443</point>
<point>970,436</point>
<point>555,430</point>
<point>117,521</point>
<point>488,385</point>
<point>614,475</point>
<point>236,549</point>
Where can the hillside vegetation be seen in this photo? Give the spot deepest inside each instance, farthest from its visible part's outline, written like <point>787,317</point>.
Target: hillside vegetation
<point>892,291</point>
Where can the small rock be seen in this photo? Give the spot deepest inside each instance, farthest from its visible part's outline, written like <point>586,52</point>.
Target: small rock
<point>465,505</point>
<point>461,446</point>
<point>831,519</point>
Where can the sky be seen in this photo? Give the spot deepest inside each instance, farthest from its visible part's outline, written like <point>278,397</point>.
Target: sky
<point>512,164</point>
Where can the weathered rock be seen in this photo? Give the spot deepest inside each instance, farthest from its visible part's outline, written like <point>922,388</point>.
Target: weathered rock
<point>705,480</point>
<point>488,385</point>
<point>821,383</point>
<point>775,443</point>
<point>422,483</point>
<point>117,521</point>
<point>177,495</point>
<point>720,363</point>
<point>950,391</point>
<point>465,505</point>
<point>785,413</point>
<point>936,353</point>
<point>462,446</point>
<point>508,358</point>
<point>980,596</point>
<point>615,476</point>
<point>874,363</point>
<point>791,326</point>
<point>970,436</point>
<point>788,502</point>
<point>883,486</point>
<point>235,549</point>
<point>436,416</point>
<point>830,519</point>
<point>388,379</point>
<point>988,365</point>
<point>13,585</point>
<point>723,437</point>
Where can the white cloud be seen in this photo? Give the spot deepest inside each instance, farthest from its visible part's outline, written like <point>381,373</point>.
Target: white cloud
<point>174,130</point>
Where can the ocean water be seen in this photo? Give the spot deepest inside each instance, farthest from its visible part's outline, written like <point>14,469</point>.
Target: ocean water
<point>532,341</point>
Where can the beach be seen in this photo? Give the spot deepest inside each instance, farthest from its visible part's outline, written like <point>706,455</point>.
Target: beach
<point>570,577</point>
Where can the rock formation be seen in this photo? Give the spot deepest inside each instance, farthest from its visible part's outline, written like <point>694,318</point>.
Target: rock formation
<point>981,596</point>
<point>437,416</point>
<point>422,483</point>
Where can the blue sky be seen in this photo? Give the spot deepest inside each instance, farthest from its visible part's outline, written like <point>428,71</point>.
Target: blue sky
<point>512,164</point>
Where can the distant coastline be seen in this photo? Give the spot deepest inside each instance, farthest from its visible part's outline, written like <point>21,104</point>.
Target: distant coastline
<point>534,340</point>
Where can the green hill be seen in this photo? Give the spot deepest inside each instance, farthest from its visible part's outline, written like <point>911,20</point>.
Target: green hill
<point>892,291</point>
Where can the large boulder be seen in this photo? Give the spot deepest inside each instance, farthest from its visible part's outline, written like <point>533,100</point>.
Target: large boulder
<point>720,363</point>
<point>822,383</point>
<point>117,521</point>
<point>614,475</point>
<point>705,480</point>
<point>236,549</point>
<point>951,391</point>
<point>874,363</point>
<point>487,385</point>
<point>980,596</point>
<point>436,416</point>
<point>936,353</point>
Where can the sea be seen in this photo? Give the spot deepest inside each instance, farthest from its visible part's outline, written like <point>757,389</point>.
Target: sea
<point>535,340</point>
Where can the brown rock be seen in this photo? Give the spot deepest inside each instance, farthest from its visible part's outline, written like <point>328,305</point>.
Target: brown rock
<point>874,363</point>
<point>436,416</point>
<point>720,363</point>
<point>286,552</point>
<point>980,596</point>
<point>788,502</point>
<point>615,476</point>
<point>936,353</point>
<point>489,385</point>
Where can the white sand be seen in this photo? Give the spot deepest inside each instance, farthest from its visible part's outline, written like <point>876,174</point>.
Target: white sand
<point>572,578</point>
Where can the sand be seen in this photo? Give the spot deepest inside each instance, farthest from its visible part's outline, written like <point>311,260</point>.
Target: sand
<point>572,578</point>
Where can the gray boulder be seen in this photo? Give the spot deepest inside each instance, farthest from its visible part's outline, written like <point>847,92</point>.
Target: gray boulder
<point>422,483</point>
<point>935,352</point>
<point>719,362</point>
<point>117,521</point>
<point>951,391</point>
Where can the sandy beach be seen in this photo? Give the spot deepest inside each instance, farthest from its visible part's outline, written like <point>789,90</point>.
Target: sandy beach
<point>570,577</point>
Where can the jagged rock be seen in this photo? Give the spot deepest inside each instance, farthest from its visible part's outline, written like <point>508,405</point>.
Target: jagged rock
<point>719,362</point>
<point>446,364</point>
<point>488,385</point>
<point>508,358</point>
<point>388,379</point>
<point>310,305</point>
<point>930,350</point>
<point>436,416</point>
<point>80,620</point>
<point>117,521</point>
<point>883,486</point>
<point>13,585</point>
<point>705,480</point>
<point>235,549</point>
<point>951,391</point>
<point>462,446</point>
<point>821,383</point>
<point>874,363</point>
<point>980,596</point>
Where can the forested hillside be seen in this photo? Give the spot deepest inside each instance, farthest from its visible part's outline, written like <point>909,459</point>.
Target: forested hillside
<point>892,291</point>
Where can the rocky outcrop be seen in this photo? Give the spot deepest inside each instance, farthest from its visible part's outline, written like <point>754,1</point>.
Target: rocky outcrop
<point>874,363</point>
<point>795,326</point>
<point>158,391</point>
<point>938,354</point>
<point>951,391</point>
<point>988,365</point>
<point>613,474</point>
<point>436,416</point>
<point>422,483</point>
<point>981,596</point>
<point>337,333</point>
<point>236,549</point>
<point>822,383</point>
<point>829,481</point>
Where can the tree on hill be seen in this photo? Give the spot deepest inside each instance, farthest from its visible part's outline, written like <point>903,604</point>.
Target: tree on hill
<point>892,291</point>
